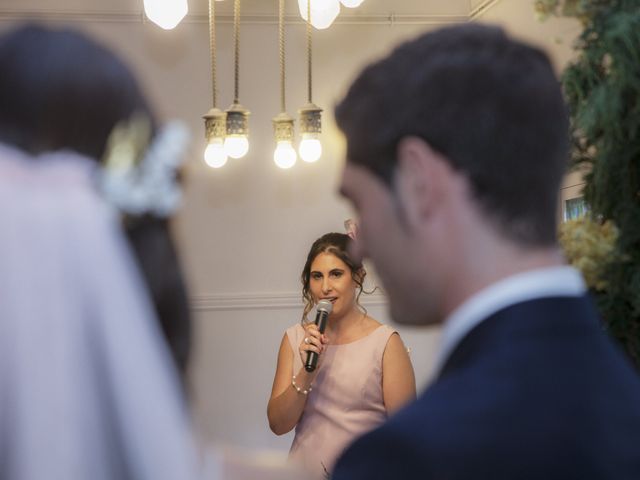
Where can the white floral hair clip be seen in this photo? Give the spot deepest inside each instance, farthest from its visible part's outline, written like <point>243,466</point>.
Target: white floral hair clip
<point>139,177</point>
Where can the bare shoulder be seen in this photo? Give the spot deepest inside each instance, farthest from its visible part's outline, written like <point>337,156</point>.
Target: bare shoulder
<point>395,343</point>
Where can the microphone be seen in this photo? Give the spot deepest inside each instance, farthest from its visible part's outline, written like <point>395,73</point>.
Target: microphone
<point>322,312</point>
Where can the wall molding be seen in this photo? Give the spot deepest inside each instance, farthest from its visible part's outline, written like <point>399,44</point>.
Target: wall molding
<point>265,301</point>
<point>255,19</point>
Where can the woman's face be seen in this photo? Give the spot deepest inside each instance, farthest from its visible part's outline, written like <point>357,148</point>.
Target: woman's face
<point>330,279</point>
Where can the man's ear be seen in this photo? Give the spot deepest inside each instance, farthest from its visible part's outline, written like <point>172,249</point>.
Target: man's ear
<point>419,179</point>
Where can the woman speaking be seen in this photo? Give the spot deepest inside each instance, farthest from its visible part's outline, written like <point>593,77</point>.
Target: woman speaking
<point>363,375</point>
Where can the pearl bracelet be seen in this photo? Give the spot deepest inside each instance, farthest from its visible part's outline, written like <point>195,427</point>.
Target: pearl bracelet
<point>298,389</point>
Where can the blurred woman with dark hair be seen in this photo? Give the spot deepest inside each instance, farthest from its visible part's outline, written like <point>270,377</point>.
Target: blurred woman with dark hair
<point>88,387</point>
<point>61,91</point>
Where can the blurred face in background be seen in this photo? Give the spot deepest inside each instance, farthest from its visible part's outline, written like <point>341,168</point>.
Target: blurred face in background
<point>396,250</point>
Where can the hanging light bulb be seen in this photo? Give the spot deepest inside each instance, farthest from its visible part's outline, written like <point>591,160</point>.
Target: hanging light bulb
<point>323,12</point>
<point>351,3</point>
<point>310,148</point>
<point>215,155</point>
<point>236,143</point>
<point>215,120</point>
<point>284,155</point>
<point>236,146</point>
<point>166,13</point>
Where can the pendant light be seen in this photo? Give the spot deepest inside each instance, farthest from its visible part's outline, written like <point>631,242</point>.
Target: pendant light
<point>236,143</point>
<point>284,155</point>
<point>323,12</point>
<point>310,148</point>
<point>351,3</point>
<point>215,119</point>
<point>166,14</point>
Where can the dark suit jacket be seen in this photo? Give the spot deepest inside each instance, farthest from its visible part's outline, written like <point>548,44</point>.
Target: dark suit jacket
<point>536,391</point>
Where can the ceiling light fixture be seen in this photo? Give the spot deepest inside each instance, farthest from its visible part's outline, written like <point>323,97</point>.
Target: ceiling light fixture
<point>236,143</point>
<point>321,12</point>
<point>310,148</point>
<point>215,120</point>
<point>284,155</point>
<point>351,3</point>
<point>166,14</point>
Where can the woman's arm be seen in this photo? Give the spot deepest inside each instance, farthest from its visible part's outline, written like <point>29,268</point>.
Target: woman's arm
<point>286,403</point>
<point>398,380</point>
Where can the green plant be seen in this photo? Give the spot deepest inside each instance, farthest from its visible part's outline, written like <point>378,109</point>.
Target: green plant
<point>602,87</point>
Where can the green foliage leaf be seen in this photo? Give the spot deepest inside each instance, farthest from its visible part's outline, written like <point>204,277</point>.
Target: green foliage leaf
<point>602,88</point>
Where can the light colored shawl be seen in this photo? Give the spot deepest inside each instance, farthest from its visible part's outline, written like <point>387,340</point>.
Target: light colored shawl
<point>87,387</point>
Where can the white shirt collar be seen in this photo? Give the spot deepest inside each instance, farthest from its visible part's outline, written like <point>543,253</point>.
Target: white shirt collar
<point>539,283</point>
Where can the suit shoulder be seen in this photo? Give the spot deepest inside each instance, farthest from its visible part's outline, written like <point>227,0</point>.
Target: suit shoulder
<point>386,452</point>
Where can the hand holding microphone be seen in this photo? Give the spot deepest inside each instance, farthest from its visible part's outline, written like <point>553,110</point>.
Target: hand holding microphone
<point>322,313</point>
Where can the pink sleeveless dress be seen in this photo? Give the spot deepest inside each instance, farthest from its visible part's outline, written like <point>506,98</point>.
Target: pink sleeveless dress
<point>345,402</point>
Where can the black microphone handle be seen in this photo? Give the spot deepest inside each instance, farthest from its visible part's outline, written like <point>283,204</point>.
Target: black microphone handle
<point>312,357</point>
<point>321,321</point>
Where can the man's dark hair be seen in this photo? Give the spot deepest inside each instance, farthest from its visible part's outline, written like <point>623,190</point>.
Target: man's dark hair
<point>489,104</point>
